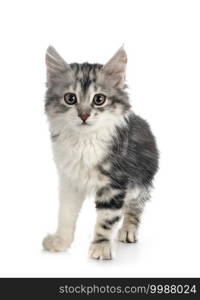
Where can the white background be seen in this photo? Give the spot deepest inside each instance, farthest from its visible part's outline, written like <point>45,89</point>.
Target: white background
<point>162,39</point>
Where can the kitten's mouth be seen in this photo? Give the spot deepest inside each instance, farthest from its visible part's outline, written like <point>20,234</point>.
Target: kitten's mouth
<point>84,124</point>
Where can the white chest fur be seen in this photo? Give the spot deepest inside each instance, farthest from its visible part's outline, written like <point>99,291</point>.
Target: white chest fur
<point>77,157</point>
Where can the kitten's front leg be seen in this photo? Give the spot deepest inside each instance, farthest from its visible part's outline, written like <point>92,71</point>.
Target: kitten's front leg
<point>70,203</point>
<point>109,203</point>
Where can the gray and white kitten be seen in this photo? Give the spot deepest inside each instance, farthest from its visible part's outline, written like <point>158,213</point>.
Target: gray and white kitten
<point>100,146</point>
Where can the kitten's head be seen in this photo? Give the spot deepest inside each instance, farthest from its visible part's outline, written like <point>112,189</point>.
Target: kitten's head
<point>86,96</point>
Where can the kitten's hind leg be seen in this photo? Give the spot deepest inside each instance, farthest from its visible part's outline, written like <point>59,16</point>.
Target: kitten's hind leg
<point>128,231</point>
<point>135,201</point>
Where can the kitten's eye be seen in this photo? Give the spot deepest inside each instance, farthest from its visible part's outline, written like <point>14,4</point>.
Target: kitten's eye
<point>70,98</point>
<point>99,99</point>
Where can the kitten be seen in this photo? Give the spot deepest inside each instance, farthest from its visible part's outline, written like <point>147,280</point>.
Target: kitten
<point>100,146</point>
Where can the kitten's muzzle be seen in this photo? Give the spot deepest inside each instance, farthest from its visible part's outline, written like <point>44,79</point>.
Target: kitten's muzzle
<point>83,116</point>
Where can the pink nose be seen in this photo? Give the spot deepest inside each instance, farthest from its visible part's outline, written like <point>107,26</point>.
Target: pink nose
<point>83,116</point>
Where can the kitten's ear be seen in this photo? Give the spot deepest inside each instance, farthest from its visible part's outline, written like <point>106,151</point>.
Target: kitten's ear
<point>56,66</point>
<point>115,69</point>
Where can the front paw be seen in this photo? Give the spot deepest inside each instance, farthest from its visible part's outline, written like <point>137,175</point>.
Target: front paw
<point>55,243</point>
<point>101,251</point>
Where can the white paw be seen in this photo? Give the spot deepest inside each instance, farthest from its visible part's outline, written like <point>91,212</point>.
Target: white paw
<point>54,243</point>
<point>101,251</point>
<point>127,235</point>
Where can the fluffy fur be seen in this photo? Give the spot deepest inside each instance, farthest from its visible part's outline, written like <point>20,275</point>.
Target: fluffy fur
<point>112,154</point>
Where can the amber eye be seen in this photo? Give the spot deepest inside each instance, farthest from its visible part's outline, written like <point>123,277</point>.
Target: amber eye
<point>70,98</point>
<point>99,99</point>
